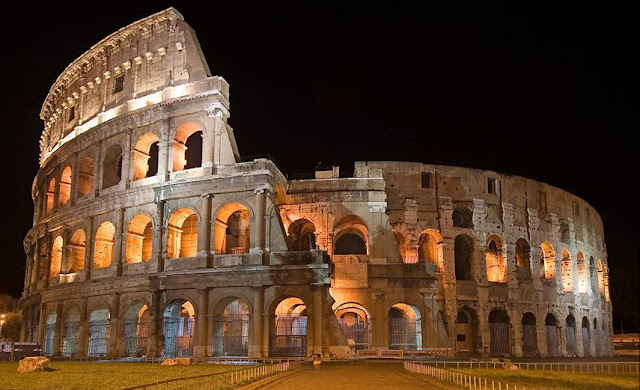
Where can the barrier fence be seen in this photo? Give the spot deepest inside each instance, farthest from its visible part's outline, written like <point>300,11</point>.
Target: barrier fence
<point>222,380</point>
<point>458,378</point>
<point>579,367</point>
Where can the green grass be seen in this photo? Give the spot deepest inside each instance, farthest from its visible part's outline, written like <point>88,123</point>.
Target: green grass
<point>85,375</point>
<point>538,379</point>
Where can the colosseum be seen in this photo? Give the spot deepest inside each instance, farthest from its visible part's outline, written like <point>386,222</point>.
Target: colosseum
<point>140,248</point>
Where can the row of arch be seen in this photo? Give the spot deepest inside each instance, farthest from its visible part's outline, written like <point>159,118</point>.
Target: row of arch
<point>560,337</point>
<point>187,152</point>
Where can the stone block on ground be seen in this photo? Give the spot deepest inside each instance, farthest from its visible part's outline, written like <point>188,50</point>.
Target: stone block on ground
<point>34,363</point>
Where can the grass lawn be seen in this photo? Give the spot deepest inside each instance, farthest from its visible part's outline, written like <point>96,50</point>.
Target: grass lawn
<point>538,379</point>
<point>93,375</point>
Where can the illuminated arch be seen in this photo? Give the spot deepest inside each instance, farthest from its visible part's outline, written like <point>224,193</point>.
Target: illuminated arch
<point>405,327</point>
<point>430,249</point>
<point>182,234</point>
<point>179,329</point>
<point>64,190</point>
<point>145,158</point>
<point>56,257</point>
<point>139,239</point>
<point>51,190</point>
<point>76,250</point>
<point>351,236</point>
<point>136,328</point>
<point>84,178</point>
<point>232,229</point>
<point>302,235</point>
<point>112,166</point>
<point>104,241</point>
<point>183,135</point>
<point>289,328</point>
<point>355,321</point>
<point>496,261</point>
<point>567,271</point>
<point>547,261</point>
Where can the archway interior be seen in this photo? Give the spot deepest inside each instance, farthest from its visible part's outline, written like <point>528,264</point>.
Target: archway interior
<point>586,337</point>
<point>355,322</point>
<point>64,192</point>
<point>430,249</point>
<point>351,237</point>
<point>570,335</point>
<point>182,234</point>
<point>136,329</point>
<point>232,329</point>
<point>405,327</point>
<point>112,166</point>
<point>56,257</point>
<point>463,250</point>
<point>547,261</point>
<point>145,156</point>
<point>462,217</point>
<point>529,335</point>
<point>85,177</point>
<point>71,333</point>
<point>465,327</point>
<point>76,251</point>
<point>302,235</point>
<point>496,262</point>
<point>232,229</point>
<point>583,274</point>
<point>499,332</point>
<point>553,347</point>
<point>178,330</point>
<point>50,333</point>
<point>51,190</point>
<point>139,239</point>
<point>289,337</point>
<point>523,259</point>
<point>187,147</point>
<point>104,241</point>
<point>99,331</point>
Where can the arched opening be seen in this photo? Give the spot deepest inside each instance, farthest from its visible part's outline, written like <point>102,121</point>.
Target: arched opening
<point>400,241</point>
<point>71,332</point>
<point>596,337</point>
<point>570,335</point>
<point>145,156</point>
<point>600,277</point>
<point>355,322</point>
<point>289,333</point>
<point>499,332</point>
<point>104,241</point>
<point>178,330</point>
<point>139,239</point>
<point>182,234</point>
<point>586,337</point>
<point>351,236</point>
<point>553,347</point>
<point>76,250</point>
<point>567,271</point>
<point>136,329</point>
<point>463,251</point>
<point>496,262</point>
<point>232,229</point>
<point>112,166</point>
<point>430,248</point>
<point>529,335</point>
<point>466,332</point>
<point>232,329</point>
<point>99,331</point>
<point>462,217</point>
<point>187,147</point>
<point>51,191</point>
<point>405,327</point>
<point>64,192</point>
<point>583,274</point>
<point>85,177</point>
<point>302,235</point>
<point>56,257</point>
<point>547,261</point>
<point>49,333</point>
<point>523,259</point>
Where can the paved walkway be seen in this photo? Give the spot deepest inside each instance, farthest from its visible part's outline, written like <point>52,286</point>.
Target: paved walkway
<point>362,375</point>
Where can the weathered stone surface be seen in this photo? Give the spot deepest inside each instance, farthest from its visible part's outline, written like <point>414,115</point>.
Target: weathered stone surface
<point>176,362</point>
<point>34,363</point>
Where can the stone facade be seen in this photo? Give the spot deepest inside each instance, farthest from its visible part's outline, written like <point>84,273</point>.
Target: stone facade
<point>138,249</point>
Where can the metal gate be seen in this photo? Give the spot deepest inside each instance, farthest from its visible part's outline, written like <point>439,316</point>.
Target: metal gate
<point>178,341</point>
<point>529,347</point>
<point>403,334</point>
<point>356,331</point>
<point>235,334</point>
<point>99,331</point>
<point>290,337</point>
<point>570,334</point>
<point>70,342</point>
<point>499,338</point>
<point>135,337</point>
<point>552,341</point>
<point>585,342</point>
<point>49,336</point>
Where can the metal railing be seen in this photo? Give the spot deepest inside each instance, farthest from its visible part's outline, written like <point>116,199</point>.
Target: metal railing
<point>221,380</point>
<point>579,367</point>
<point>458,378</point>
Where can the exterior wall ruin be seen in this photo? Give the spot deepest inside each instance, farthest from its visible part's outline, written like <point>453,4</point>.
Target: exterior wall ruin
<point>230,257</point>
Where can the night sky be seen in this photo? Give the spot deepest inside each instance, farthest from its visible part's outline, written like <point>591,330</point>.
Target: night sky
<point>547,93</point>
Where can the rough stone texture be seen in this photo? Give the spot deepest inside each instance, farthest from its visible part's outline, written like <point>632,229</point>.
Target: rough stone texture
<point>176,362</point>
<point>34,363</point>
<point>221,257</point>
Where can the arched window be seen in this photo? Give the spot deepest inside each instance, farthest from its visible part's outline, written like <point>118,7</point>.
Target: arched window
<point>570,335</point>
<point>99,331</point>
<point>112,166</point>
<point>496,262</point>
<point>231,328</point>
<point>405,327</point>
<point>462,217</point>
<point>567,272</point>
<point>355,322</point>
<point>85,177</point>
<point>547,261</point>
<point>64,192</point>
<point>302,235</point>
<point>179,329</point>
<point>463,249</point>
<point>351,236</point>
<point>139,239</point>
<point>232,229</point>
<point>103,250</point>
<point>430,247</point>
<point>187,147</point>
<point>56,256</point>
<point>529,335</point>
<point>51,190</point>
<point>586,337</point>
<point>523,263</point>
<point>600,277</point>
<point>136,329</point>
<point>71,332</point>
<point>289,330</point>
<point>145,156</point>
<point>50,333</point>
<point>76,252</point>
<point>182,234</point>
<point>583,274</point>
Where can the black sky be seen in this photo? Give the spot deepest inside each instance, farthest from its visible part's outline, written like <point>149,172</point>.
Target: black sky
<point>546,92</point>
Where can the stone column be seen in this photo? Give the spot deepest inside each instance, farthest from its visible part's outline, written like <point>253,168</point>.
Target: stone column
<point>23,328</point>
<point>114,341</point>
<point>204,231</point>
<point>317,318</point>
<point>379,320</point>
<point>27,271</point>
<point>200,342</point>
<point>57,339</point>
<point>259,243</point>
<point>154,349</point>
<point>208,143</point>
<point>36,266</point>
<point>96,171</point>
<point>83,330</point>
<point>42,323</point>
<point>120,242</point>
<point>64,261</point>
<point>163,150</point>
<point>73,188</point>
<point>89,248</point>
<point>158,237</point>
<point>257,324</point>
<point>47,263</point>
<point>125,180</point>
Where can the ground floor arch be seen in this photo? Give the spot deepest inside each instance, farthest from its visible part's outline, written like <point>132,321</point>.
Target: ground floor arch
<point>231,328</point>
<point>586,337</point>
<point>178,329</point>
<point>553,346</point>
<point>466,331</point>
<point>49,333</point>
<point>570,335</point>
<point>99,331</point>
<point>289,328</point>
<point>405,327</point>
<point>499,332</point>
<point>529,335</point>
<point>136,329</point>
<point>71,332</point>
<point>355,322</point>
